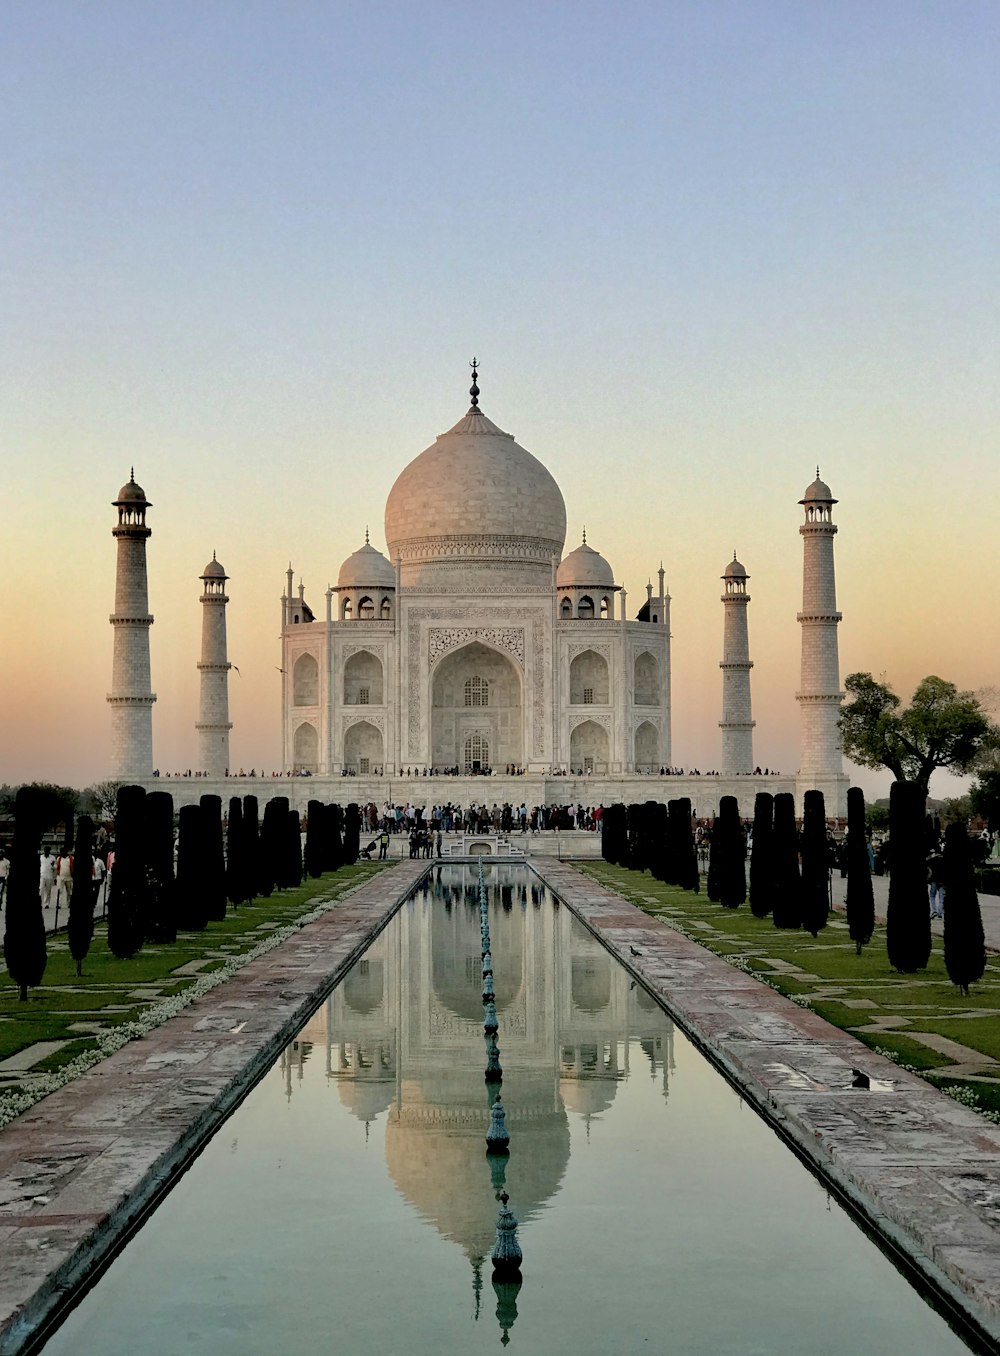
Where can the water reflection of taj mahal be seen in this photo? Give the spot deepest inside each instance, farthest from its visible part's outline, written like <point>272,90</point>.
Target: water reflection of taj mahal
<point>403,1035</point>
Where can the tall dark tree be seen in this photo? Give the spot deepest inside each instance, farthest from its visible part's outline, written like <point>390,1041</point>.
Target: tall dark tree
<point>214,861</point>
<point>659,850</point>
<point>670,863</point>
<point>908,919</point>
<point>964,941</point>
<point>161,923</point>
<point>314,838</point>
<point>128,899</point>
<point>333,841</point>
<point>712,879</point>
<point>80,932</point>
<point>787,907</point>
<point>291,855</point>
<point>614,835</point>
<point>24,936</point>
<point>688,874</point>
<point>352,834</point>
<point>815,863</point>
<point>271,838</point>
<point>860,899</point>
<point>251,848</point>
<point>191,908</point>
<point>236,864</point>
<point>762,855</point>
<point>732,854</point>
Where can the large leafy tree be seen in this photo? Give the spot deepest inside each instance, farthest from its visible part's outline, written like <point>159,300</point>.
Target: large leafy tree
<point>941,727</point>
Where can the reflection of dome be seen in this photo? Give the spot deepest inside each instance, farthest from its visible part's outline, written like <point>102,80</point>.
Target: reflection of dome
<point>585,568</point>
<point>436,1154</point>
<point>457,972</point>
<point>588,1096</point>
<point>365,1098</point>
<point>475,496</point>
<point>366,568</point>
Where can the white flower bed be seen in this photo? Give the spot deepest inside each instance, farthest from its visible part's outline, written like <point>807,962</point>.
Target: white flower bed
<point>13,1103</point>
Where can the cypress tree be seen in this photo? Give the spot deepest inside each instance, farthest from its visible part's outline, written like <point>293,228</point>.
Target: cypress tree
<point>251,848</point>
<point>815,863</point>
<point>860,899</point>
<point>128,900</point>
<point>314,838</point>
<point>732,855</point>
<point>671,846</point>
<point>762,855</point>
<point>908,918</point>
<point>688,874</point>
<point>333,846</point>
<point>964,942</point>
<point>712,880</point>
<point>291,852</point>
<point>352,834</point>
<point>190,912</point>
<point>659,851</point>
<point>24,947</point>
<point>271,831</point>
<point>614,835</point>
<point>787,901</point>
<point>236,866</point>
<point>80,932</point>
<point>161,923</point>
<point>213,858</point>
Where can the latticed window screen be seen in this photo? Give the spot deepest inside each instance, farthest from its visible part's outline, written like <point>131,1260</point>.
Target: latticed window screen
<point>477,750</point>
<point>588,696</point>
<point>364,694</point>
<point>364,766</point>
<point>477,691</point>
<point>588,765</point>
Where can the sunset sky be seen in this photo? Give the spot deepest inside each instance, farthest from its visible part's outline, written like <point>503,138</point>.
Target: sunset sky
<point>699,248</point>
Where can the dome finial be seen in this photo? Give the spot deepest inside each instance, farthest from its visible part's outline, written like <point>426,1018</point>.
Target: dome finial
<point>131,476</point>
<point>367,543</point>
<point>817,470</point>
<point>585,534</point>
<point>474,388</point>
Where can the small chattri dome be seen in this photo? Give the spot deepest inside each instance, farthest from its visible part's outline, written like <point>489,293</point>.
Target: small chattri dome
<point>366,568</point>
<point>131,493</point>
<point>585,568</point>
<point>818,492</point>
<point>734,570</point>
<point>213,570</point>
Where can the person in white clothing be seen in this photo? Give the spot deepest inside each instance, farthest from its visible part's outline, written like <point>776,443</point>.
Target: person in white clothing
<point>64,879</point>
<point>46,877</point>
<point>4,872</point>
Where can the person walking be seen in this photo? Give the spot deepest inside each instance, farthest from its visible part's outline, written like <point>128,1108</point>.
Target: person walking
<point>383,844</point>
<point>64,879</point>
<point>935,883</point>
<point>46,877</point>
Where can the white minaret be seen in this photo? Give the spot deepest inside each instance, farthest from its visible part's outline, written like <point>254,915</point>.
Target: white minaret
<point>130,699</point>
<point>213,712</point>
<point>736,723</point>
<point>819,695</point>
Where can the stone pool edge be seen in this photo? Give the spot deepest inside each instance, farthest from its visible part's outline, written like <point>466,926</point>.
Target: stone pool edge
<point>922,1170</point>
<point>81,1168</point>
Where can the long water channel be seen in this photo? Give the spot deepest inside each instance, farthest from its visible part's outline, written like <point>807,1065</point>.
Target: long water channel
<point>349,1206</point>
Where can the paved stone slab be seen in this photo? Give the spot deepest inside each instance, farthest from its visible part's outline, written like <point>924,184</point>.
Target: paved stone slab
<point>922,1169</point>
<point>81,1166</point>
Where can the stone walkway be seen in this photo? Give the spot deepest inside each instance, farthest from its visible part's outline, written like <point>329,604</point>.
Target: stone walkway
<point>922,1169</point>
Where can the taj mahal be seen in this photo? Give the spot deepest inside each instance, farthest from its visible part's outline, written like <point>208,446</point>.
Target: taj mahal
<point>481,646</point>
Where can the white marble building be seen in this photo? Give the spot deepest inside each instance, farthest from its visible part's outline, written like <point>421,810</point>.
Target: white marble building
<point>477,644</point>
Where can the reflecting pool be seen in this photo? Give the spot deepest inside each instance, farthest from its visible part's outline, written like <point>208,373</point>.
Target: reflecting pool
<point>349,1206</point>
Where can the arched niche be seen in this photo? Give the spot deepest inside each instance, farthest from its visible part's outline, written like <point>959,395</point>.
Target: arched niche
<point>485,675</point>
<point>588,747</point>
<point>363,747</point>
<point>305,748</point>
<point>646,688</point>
<point>366,608</point>
<point>305,681</point>
<point>363,680</point>
<point>585,607</point>
<point>588,680</point>
<point>647,747</point>
<point>565,608</point>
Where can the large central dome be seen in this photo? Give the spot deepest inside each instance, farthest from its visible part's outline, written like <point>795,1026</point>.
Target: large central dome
<point>475,500</point>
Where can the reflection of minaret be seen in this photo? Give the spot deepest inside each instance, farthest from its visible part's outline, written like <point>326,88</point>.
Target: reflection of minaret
<point>213,714</point>
<point>736,725</point>
<point>819,694</point>
<point>130,697</point>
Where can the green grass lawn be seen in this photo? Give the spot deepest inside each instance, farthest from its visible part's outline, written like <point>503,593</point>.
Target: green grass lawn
<point>855,993</point>
<point>111,991</point>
